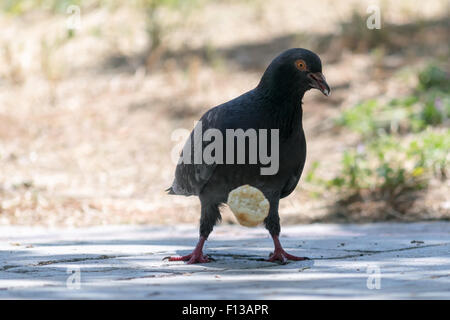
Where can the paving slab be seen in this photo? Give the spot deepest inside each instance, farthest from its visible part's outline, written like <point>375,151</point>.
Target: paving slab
<point>373,261</point>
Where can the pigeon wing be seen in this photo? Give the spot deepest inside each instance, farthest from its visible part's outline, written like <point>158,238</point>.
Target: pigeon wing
<point>191,175</point>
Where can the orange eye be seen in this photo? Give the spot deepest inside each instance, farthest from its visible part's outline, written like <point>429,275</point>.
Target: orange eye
<point>301,65</point>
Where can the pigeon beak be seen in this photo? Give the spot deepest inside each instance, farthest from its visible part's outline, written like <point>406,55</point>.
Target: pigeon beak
<point>318,81</point>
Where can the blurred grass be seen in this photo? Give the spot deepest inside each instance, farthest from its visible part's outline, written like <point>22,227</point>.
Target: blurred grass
<point>20,7</point>
<point>403,144</point>
<point>428,105</point>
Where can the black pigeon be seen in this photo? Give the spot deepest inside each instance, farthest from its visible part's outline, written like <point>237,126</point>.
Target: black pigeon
<point>276,103</point>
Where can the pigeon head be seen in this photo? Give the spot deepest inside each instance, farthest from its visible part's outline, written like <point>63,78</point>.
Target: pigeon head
<point>292,73</point>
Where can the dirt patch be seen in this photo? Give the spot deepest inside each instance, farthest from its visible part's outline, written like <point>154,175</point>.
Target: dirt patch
<point>85,127</point>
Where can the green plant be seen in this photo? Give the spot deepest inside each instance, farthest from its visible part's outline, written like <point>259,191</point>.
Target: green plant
<point>360,118</point>
<point>431,150</point>
<point>433,77</point>
<point>311,175</point>
<point>354,172</point>
<point>428,105</point>
<point>404,144</point>
<point>18,7</point>
<point>388,167</point>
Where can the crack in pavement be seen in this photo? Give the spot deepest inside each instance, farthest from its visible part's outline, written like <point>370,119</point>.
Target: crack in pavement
<point>164,275</point>
<point>372,252</point>
<point>7,267</point>
<point>102,257</point>
<point>394,250</point>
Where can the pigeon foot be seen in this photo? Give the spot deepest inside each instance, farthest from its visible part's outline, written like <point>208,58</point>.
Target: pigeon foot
<point>283,256</point>
<point>280,255</point>
<point>192,258</point>
<point>196,256</point>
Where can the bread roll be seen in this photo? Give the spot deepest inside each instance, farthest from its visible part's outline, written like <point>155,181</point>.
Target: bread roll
<point>249,205</point>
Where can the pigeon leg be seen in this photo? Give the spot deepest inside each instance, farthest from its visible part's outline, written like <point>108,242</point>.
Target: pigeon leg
<point>210,214</point>
<point>280,255</point>
<point>196,256</point>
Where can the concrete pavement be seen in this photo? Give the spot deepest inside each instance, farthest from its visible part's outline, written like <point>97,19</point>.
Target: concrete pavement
<point>373,261</point>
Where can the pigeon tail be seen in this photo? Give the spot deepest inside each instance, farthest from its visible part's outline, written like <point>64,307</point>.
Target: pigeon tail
<point>170,191</point>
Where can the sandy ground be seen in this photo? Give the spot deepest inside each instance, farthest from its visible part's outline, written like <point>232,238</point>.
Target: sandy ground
<point>86,125</point>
